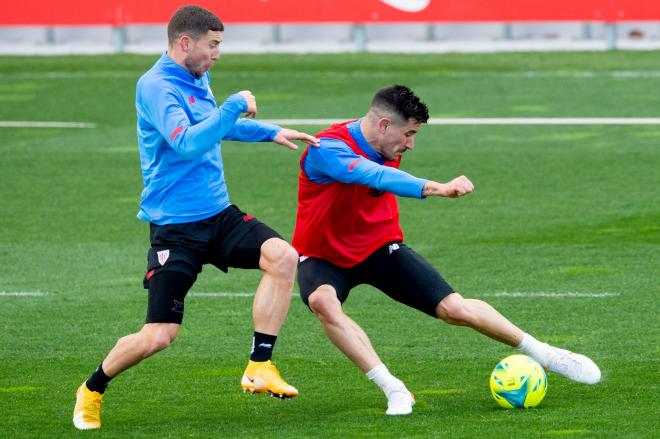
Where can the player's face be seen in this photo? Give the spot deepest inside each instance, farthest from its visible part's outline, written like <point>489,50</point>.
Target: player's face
<point>398,138</point>
<point>203,53</point>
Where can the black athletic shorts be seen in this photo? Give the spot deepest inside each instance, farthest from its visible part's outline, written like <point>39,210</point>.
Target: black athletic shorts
<point>228,239</point>
<point>395,269</point>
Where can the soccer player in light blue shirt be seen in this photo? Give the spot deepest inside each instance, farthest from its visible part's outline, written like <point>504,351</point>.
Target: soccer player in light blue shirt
<point>192,221</point>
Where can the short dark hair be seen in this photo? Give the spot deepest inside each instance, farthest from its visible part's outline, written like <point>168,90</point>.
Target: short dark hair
<point>401,100</point>
<point>194,21</point>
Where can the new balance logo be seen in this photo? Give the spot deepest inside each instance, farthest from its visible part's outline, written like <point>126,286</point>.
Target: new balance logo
<point>393,247</point>
<point>375,193</point>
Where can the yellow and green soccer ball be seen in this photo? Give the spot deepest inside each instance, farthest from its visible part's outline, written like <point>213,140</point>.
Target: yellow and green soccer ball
<point>518,382</point>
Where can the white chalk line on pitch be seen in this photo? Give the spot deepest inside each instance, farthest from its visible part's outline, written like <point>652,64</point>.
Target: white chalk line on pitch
<point>221,294</point>
<point>513,294</point>
<point>432,121</point>
<point>577,74</point>
<point>43,124</point>
<point>498,121</point>
<point>23,293</point>
<point>547,294</point>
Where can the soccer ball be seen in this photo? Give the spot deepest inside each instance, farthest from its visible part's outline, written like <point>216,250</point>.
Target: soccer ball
<point>518,381</point>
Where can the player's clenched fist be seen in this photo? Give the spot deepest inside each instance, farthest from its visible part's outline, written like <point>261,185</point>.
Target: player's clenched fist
<point>251,103</point>
<point>457,187</point>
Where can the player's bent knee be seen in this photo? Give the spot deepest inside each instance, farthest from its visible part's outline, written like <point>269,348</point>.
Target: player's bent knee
<point>279,258</point>
<point>454,310</point>
<point>158,337</point>
<point>325,304</point>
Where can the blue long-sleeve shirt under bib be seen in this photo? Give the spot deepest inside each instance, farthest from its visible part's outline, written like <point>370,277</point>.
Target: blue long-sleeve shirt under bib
<point>336,161</point>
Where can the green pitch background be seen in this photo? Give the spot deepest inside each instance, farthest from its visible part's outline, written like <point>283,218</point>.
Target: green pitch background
<point>557,209</point>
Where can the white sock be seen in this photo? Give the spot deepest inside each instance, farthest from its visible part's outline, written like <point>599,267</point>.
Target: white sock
<point>384,379</point>
<point>541,352</point>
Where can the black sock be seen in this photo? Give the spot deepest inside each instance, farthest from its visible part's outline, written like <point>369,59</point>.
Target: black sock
<point>98,381</point>
<point>262,346</point>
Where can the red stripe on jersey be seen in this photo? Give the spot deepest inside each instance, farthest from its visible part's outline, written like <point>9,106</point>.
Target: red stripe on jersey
<point>150,274</point>
<point>353,164</point>
<point>175,132</point>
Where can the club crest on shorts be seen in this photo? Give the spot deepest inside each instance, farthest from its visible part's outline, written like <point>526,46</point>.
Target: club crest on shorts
<point>162,256</point>
<point>393,247</point>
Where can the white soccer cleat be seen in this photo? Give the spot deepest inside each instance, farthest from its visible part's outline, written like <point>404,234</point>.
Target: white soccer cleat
<point>400,402</point>
<point>574,366</point>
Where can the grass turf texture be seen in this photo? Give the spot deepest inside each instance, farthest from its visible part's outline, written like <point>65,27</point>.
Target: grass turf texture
<point>556,209</point>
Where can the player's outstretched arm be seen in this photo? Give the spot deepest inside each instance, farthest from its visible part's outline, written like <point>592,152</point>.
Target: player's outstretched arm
<point>286,135</point>
<point>457,187</point>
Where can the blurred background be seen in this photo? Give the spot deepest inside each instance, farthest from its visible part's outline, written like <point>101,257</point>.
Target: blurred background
<point>559,131</point>
<point>260,26</point>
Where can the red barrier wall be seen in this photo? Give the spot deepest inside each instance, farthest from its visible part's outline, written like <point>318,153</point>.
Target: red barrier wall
<point>121,12</point>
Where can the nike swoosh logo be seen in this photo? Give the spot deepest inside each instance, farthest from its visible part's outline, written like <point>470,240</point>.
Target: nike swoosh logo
<point>354,164</point>
<point>408,5</point>
<point>250,379</point>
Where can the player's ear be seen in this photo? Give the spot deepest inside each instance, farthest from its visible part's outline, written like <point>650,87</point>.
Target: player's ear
<point>185,43</point>
<point>383,123</point>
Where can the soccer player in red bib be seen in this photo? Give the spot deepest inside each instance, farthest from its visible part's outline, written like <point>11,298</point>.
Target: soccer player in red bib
<point>347,233</point>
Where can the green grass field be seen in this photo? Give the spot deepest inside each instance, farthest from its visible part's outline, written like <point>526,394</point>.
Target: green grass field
<point>557,209</point>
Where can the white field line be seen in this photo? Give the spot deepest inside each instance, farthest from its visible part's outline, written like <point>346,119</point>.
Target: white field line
<point>576,74</point>
<point>432,121</point>
<point>499,121</point>
<point>23,293</point>
<point>517,294</point>
<point>221,294</point>
<point>43,124</point>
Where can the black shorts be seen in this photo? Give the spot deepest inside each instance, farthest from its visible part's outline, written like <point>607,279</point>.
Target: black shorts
<point>228,239</point>
<point>395,269</point>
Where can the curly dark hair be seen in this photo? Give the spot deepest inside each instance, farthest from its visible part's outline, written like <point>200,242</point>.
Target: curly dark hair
<point>194,21</point>
<point>401,100</point>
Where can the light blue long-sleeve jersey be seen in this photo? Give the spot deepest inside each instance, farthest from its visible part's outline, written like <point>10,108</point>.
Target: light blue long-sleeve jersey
<point>336,161</point>
<point>179,128</point>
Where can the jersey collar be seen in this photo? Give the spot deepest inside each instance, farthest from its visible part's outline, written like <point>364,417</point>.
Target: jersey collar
<point>356,133</point>
<point>170,66</point>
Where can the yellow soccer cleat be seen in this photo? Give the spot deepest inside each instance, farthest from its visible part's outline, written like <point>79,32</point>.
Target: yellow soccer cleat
<point>87,412</point>
<point>263,377</point>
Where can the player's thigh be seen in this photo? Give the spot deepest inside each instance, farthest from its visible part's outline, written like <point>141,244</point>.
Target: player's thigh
<point>167,292</point>
<point>246,253</point>
<point>406,277</point>
<point>314,273</point>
